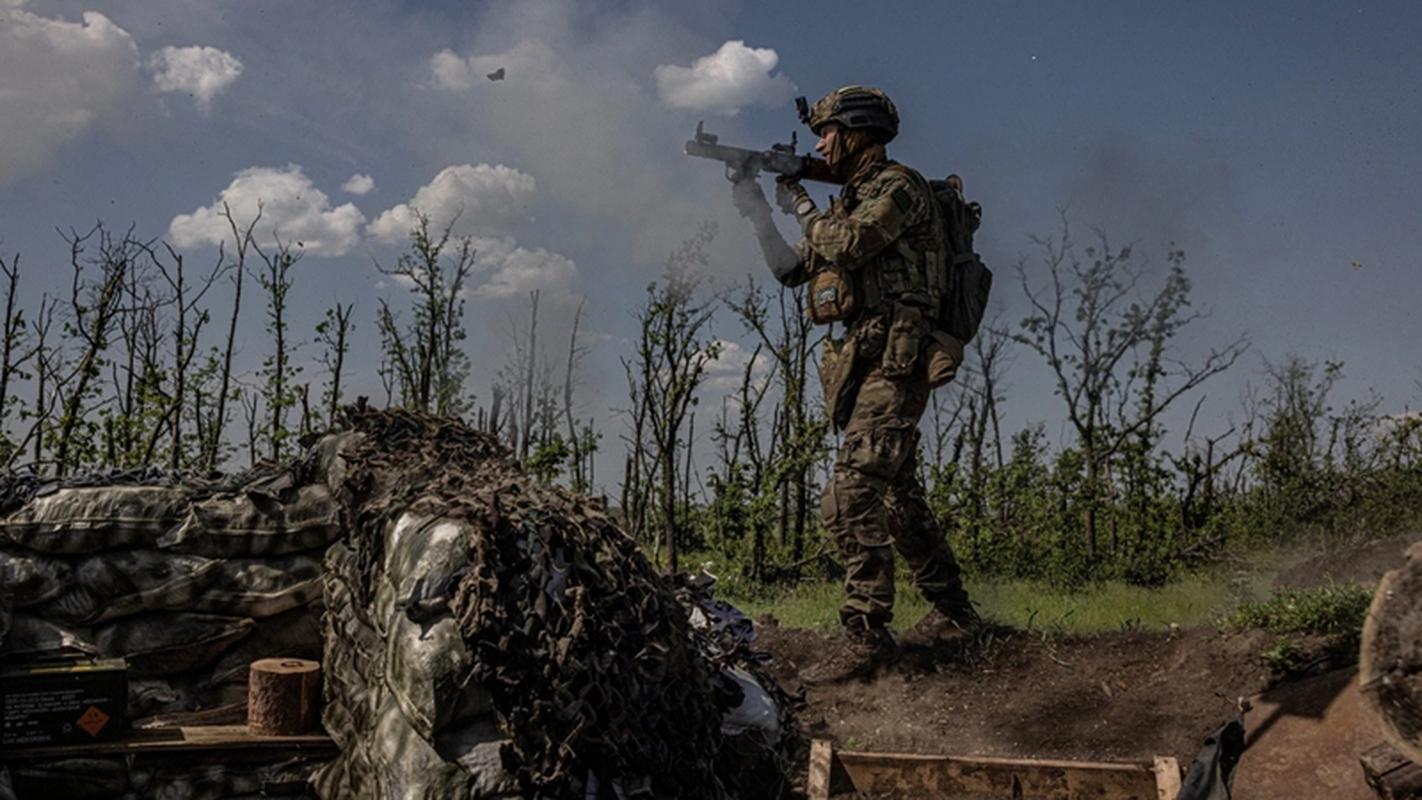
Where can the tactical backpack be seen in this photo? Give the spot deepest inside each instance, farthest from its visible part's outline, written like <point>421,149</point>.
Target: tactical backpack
<point>967,282</point>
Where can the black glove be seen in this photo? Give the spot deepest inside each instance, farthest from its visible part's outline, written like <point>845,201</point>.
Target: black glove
<point>749,199</point>
<point>792,198</point>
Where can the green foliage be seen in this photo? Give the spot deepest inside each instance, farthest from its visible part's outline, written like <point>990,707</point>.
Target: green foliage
<point>1326,611</point>
<point>1334,613</point>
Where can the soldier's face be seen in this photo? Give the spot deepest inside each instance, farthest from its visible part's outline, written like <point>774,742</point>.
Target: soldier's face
<point>829,136</point>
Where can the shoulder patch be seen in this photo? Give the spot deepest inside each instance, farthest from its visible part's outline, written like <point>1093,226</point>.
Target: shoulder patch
<point>901,198</point>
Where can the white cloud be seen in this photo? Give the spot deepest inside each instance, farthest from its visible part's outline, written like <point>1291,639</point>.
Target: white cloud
<point>516,271</point>
<point>58,80</point>
<point>726,372</point>
<point>359,184</point>
<point>290,205</point>
<point>202,72</point>
<point>729,79</point>
<point>481,201</point>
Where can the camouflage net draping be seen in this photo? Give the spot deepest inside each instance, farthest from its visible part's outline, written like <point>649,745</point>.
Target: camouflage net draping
<point>587,652</point>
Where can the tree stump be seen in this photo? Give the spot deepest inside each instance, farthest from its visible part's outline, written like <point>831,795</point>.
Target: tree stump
<point>283,696</point>
<point>1390,659</point>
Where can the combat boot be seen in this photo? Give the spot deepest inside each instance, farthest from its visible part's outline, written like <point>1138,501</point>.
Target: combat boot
<point>863,651</point>
<point>944,624</point>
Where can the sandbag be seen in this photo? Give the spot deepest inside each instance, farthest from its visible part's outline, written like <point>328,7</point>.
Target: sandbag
<point>158,645</point>
<point>408,764</point>
<point>199,781</point>
<point>474,745</point>
<point>194,781</point>
<point>33,579</point>
<point>291,634</point>
<point>251,587</point>
<point>256,525</point>
<point>70,778</point>
<point>428,670</point>
<point>331,452</point>
<point>352,648</point>
<point>119,584</point>
<point>89,519</point>
<point>31,636</point>
<point>423,554</point>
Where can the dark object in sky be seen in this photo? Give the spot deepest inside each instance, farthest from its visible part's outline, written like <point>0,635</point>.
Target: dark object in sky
<point>497,75</point>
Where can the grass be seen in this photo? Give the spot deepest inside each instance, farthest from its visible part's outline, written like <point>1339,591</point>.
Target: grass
<point>1201,599</point>
<point>1204,598</point>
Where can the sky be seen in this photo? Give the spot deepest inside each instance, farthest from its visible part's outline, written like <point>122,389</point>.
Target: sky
<point>1278,144</point>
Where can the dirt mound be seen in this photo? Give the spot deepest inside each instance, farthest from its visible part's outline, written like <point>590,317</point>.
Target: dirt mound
<point>1363,564</point>
<point>1115,697</point>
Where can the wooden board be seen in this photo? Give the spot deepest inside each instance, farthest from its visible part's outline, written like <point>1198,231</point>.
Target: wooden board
<point>1389,774</point>
<point>181,740</point>
<point>920,776</point>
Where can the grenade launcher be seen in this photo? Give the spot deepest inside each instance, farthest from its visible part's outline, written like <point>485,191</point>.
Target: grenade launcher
<point>742,164</point>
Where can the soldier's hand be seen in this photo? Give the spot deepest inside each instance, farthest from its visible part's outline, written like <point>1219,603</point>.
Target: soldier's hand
<point>748,198</point>
<point>791,196</point>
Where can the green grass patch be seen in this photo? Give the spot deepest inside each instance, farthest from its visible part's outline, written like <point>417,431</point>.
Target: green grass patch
<point>1191,601</point>
<point>1240,591</point>
<point>1327,611</point>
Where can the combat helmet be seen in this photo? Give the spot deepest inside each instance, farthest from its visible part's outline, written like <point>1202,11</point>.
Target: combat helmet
<point>855,107</point>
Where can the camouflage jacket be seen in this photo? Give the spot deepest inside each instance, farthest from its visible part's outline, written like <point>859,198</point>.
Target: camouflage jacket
<point>887,237</point>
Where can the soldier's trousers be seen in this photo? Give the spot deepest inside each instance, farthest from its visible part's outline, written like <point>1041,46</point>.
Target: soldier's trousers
<point>875,504</point>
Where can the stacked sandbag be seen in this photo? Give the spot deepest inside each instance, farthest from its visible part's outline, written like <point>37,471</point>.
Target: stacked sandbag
<point>471,606</point>
<point>400,699</point>
<point>188,580</point>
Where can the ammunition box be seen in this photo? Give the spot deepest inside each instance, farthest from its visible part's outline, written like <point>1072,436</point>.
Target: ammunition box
<point>67,702</point>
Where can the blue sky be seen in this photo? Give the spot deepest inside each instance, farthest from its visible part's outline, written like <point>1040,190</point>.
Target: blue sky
<point>1279,144</point>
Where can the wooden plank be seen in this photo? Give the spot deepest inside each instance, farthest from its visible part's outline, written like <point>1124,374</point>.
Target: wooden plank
<point>1391,774</point>
<point>181,740</point>
<point>906,775</point>
<point>817,784</point>
<point>1167,777</point>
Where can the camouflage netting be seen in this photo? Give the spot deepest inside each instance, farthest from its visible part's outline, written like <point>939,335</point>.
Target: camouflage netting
<point>601,683</point>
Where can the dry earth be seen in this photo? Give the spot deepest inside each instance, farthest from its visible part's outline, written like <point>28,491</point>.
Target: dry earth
<point>1113,697</point>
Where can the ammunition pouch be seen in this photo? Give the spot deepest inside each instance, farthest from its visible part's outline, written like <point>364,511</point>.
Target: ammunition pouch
<point>943,353</point>
<point>837,358</point>
<point>904,341</point>
<point>831,297</point>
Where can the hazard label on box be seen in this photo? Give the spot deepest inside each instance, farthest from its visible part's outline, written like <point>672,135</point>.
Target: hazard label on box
<point>93,721</point>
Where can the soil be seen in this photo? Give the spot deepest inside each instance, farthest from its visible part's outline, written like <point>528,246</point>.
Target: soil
<point>1127,696</point>
<point>1117,697</point>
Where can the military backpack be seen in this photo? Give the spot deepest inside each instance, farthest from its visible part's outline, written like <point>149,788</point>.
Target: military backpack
<point>966,280</point>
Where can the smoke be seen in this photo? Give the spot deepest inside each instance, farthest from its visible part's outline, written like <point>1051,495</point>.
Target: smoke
<point>59,81</point>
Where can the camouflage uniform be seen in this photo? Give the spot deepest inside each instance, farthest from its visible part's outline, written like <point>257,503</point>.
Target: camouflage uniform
<point>885,238</point>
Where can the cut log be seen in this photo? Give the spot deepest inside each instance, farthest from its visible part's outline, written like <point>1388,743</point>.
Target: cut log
<point>283,696</point>
<point>1391,775</point>
<point>1390,658</point>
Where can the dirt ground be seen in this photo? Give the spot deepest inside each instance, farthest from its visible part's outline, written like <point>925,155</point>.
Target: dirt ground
<point>1114,697</point>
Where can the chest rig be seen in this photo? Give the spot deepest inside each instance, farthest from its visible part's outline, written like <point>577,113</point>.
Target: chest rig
<point>908,270</point>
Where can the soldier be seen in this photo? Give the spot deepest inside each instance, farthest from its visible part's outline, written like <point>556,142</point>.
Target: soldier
<point>871,261</point>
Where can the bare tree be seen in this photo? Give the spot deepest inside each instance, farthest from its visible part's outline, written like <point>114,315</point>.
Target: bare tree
<point>423,362</point>
<point>1107,346</point>
<point>14,352</point>
<point>93,308</point>
<point>665,373</point>
<point>278,372</point>
<point>333,333</point>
